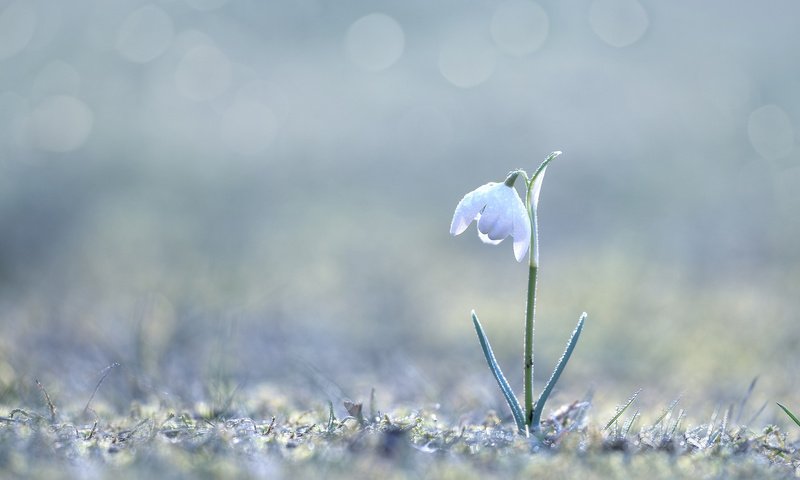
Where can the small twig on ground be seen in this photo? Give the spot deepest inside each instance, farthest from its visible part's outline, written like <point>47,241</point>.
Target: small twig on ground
<point>49,401</point>
<point>104,374</point>
<point>91,433</point>
<point>271,426</point>
<point>22,412</point>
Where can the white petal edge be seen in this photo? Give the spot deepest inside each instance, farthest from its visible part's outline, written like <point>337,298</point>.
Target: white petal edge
<point>469,208</point>
<point>521,246</point>
<point>485,239</point>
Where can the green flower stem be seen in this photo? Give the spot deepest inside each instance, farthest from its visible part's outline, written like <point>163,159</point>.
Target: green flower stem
<point>530,313</point>
<point>530,309</point>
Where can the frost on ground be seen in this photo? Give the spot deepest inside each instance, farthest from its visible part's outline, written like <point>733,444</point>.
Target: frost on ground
<point>154,439</point>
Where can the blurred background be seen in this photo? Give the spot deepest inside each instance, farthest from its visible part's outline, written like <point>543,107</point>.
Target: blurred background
<point>227,195</point>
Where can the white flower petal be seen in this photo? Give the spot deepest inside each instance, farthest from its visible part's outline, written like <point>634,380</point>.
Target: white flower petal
<point>500,212</point>
<point>522,222</point>
<point>497,218</point>
<point>521,246</point>
<point>469,208</point>
<point>488,218</point>
<point>504,224</point>
<point>485,239</point>
<point>521,231</point>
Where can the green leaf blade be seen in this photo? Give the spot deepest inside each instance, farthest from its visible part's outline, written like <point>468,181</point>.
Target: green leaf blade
<point>511,399</point>
<point>791,415</point>
<point>562,362</point>
<point>544,164</point>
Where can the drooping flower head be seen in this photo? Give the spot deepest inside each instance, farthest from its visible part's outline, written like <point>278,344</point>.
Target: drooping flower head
<point>499,212</point>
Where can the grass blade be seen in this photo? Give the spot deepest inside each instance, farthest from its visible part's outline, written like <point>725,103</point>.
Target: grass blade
<point>674,430</point>
<point>745,399</point>
<point>758,413</point>
<point>709,433</point>
<point>513,403</point>
<point>104,373</point>
<point>331,418</point>
<point>629,424</point>
<point>562,362</point>
<point>620,411</point>
<point>791,415</point>
<point>724,428</point>
<point>667,410</point>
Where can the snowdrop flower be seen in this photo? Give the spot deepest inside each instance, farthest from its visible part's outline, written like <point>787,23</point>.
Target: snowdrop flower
<point>499,213</point>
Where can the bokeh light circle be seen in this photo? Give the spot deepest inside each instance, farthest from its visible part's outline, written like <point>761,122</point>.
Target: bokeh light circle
<point>13,114</point>
<point>203,73</point>
<point>771,132</point>
<point>60,123</point>
<point>466,59</point>
<point>17,26</point>
<point>249,125</point>
<point>375,42</point>
<point>145,34</point>
<point>520,27</point>
<point>619,23</point>
<point>57,77</point>
<point>425,131</point>
<point>206,5</point>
